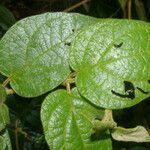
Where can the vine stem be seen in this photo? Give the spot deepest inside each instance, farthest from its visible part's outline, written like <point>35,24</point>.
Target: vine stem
<point>76,5</point>
<point>129,8</point>
<point>6,82</point>
<point>106,123</point>
<point>16,135</point>
<point>108,115</point>
<point>68,88</point>
<point>70,79</point>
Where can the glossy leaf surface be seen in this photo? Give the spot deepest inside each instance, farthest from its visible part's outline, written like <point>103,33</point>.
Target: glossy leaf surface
<point>68,122</point>
<point>5,141</point>
<point>34,52</point>
<point>112,62</point>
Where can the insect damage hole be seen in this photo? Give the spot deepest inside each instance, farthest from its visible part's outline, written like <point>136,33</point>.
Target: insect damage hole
<point>129,91</point>
<point>141,90</point>
<point>118,45</point>
<point>68,43</point>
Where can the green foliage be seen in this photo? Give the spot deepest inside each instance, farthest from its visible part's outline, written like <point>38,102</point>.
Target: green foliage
<point>5,141</point>
<point>106,64</point>
<point>4,120</point>
<point>69,122</point>
<point>39,51</point>
<point>4,116</point>
<point>106,60</point>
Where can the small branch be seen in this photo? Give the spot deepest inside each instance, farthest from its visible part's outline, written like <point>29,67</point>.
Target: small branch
<point>129,8</point>
<point>76,6</point>
<point>70,79</point>
<point>6,82</point>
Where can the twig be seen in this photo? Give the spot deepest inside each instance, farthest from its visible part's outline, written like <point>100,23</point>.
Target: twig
<point>76,5</point>
<point>129,8</point>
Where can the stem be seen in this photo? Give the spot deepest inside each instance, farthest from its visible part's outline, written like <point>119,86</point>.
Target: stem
<point>129,8</point>
<point>76,5</point>
<point>70,79</point>
<point>16,135</point>
<point>106,123</point>
<point>108,115</point>
<point>6,82</point>
<point>68,88</point>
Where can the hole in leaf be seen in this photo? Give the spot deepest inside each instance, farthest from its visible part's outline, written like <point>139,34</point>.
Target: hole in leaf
<point>129,91</point>
<point>97,118</point>
<point>68,43</point>
<point>118,45</point>
<point>141,90</point>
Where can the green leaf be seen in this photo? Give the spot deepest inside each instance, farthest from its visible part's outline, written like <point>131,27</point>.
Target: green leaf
<point>5,141</point>
<point>34,52</point>
<point>2,94</point>
<point>2,143</point>
<point>4,116</point>
<point>68,122</point>
<point>111,59</point>
<point>137,134</point>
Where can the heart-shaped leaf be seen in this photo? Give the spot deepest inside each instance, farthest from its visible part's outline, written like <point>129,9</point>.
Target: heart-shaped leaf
<point>68,122</point>
<point>111,59</point>
<point>137,134</point>
<point>34,52</point>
